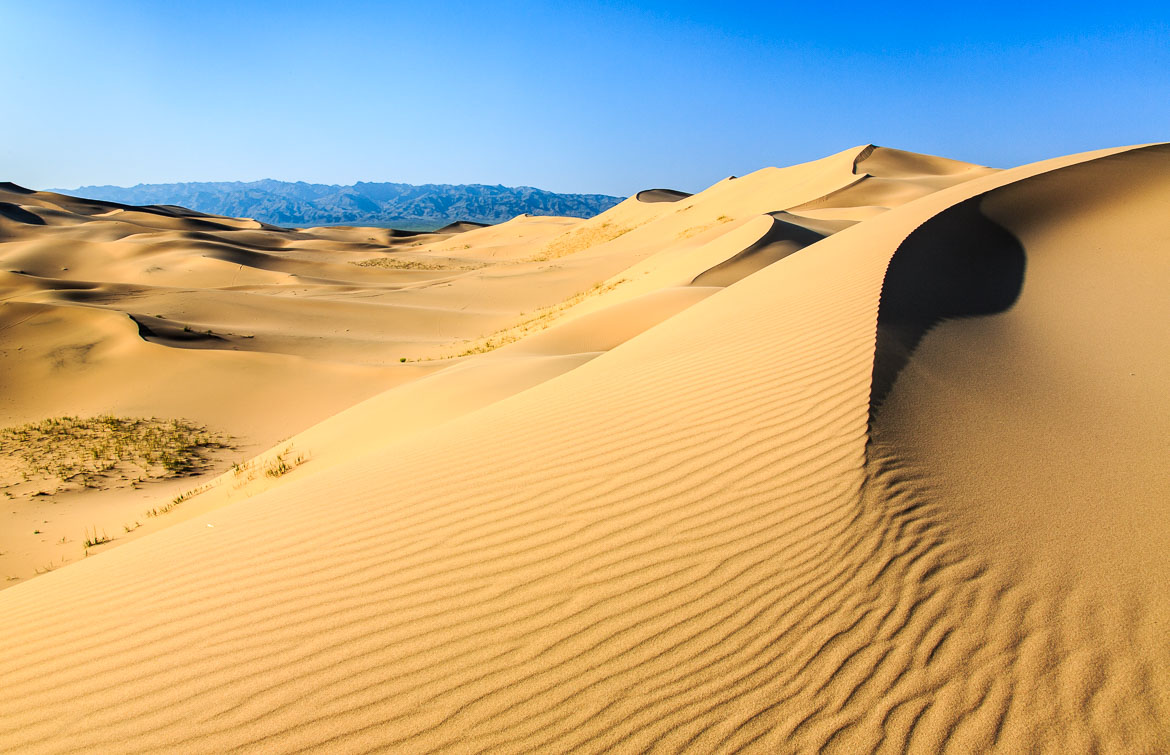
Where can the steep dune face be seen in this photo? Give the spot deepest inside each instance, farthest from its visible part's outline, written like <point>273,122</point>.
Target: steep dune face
<point>1052,356</point>
<point>1029,418</point>
<point>763,512</point>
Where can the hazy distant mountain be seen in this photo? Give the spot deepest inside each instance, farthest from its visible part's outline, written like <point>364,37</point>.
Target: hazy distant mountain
<point>403,205</point>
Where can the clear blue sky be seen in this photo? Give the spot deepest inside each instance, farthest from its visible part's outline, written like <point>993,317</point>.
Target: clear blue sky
<point>571,96</point>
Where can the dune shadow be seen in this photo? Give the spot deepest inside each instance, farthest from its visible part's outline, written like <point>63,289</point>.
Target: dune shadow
<point>14,188</point>
<point>19,214</point>
<point>959,263</point>
<point>174,334</point>
<point>653,196</point>
<point>781,240</point>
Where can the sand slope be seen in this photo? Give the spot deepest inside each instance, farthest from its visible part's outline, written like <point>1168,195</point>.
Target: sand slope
<point>802,505</point>
<point>260,332</point>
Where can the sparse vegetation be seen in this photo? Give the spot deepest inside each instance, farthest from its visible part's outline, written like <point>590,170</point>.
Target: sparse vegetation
<point>399,264</point>
<point>94,539</point>
<point>156,511</point>
<point>70,452</point>
<point>696,230</point>
<point>279,466</point>
<point>537,321</point>
<point>582,237</point>
<point>244,471</point>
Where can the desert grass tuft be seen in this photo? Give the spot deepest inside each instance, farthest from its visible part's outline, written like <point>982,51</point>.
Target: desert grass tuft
<point>72,452</point>
<point>394,263</point>
<point>280,466</point>
<point>95,539</point>
<point>580,238</point>
<point>539,320</point>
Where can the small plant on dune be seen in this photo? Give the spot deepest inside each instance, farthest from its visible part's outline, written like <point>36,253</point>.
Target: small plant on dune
<point>159,510</point>
<point>279,466</point>
<point>94,539</point>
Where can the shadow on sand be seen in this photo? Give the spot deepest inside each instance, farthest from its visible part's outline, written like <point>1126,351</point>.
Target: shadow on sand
<point>957,264</point>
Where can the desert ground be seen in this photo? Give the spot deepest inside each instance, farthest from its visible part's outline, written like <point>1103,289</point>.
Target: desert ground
<point>870,453</point>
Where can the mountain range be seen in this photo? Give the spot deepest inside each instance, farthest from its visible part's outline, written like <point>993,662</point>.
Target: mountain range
<point>399,205</point>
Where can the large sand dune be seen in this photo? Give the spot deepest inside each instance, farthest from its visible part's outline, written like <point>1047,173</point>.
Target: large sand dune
<point>862,454</point>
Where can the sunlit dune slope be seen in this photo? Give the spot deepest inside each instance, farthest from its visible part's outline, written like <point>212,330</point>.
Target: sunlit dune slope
<point>259,332</point>
<point>848,456</point>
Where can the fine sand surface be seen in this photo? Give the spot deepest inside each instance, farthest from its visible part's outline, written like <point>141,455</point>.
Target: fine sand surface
<point>869,453</point>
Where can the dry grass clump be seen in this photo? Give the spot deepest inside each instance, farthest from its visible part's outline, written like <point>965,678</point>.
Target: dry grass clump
<point>539,320</point>
<point>277,466</point>
<point>582,237</point>
<point>697,229</point>
<point>400,264</point>
<point>397,264</point>
<point>64,452</point>
<point>166,507</point>
<point>243,472</point>
<point>280,466</point>
<point>95,539</point>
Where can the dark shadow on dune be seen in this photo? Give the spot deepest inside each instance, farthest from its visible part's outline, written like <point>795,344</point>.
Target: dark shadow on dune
<point>14,188</point>
<point>19,214</point>
<point>789,234</point>
<point>957,264</point>
<point>782,239</point>
<point>156,330</point>
<point>459,226</point>
<point>652,196</point>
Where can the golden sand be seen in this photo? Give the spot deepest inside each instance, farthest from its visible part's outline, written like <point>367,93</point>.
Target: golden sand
<point>865,454</point>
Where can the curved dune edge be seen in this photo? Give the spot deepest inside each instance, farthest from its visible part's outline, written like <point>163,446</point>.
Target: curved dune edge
<point>673,545</point>
<point>651,196</point>
<point>1021,374</point>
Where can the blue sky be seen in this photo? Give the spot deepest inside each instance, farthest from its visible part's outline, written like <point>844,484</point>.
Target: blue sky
<point>602,97</point>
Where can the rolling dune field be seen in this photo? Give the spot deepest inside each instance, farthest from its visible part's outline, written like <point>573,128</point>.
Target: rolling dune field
<point>866,454</point>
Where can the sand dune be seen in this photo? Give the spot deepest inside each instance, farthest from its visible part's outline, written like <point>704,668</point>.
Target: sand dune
<point>862,454</point>
<point>660,195</point>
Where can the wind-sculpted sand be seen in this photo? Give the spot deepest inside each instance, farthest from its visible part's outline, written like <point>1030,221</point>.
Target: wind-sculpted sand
<point>863,454</point>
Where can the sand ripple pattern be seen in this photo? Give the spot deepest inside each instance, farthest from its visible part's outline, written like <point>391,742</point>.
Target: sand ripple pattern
<point>681,546</point>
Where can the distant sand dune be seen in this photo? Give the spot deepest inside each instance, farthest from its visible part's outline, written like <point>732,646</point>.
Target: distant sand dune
<point>879,480</point>
<point>660,195</point>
